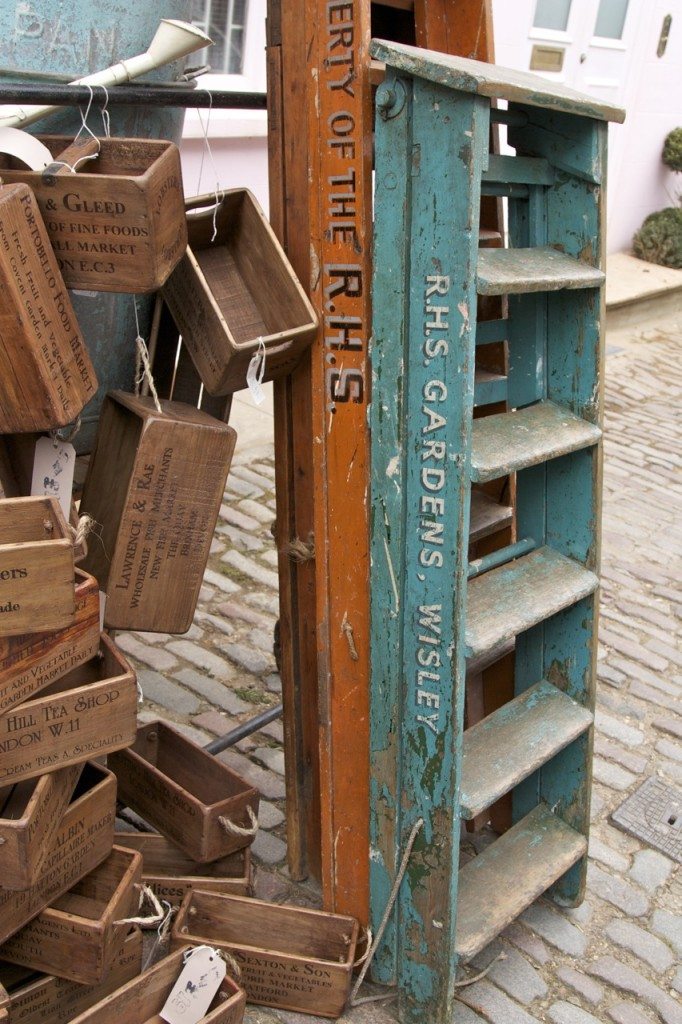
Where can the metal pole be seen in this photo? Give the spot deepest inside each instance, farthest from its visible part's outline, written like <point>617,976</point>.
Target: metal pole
<point>153,95</point>
<point>253,725</point>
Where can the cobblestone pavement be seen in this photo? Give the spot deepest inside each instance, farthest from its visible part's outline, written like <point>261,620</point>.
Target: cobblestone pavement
<point>617,957</point>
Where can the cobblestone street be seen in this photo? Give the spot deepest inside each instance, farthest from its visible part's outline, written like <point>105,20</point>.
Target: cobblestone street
<point>617,957</point>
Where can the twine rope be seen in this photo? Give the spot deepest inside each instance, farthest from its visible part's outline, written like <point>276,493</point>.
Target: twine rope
<point>146,893</point>
<point>237,830</point>
<point>407,853</point>
<point>143,369</point>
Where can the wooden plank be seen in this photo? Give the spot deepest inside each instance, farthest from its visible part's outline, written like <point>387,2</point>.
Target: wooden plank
<point>517,868</point>
<point>526,170</point>
<point>471,76</point>
<point>288,51</point>
<point>511,441</point>
<point>510,744</point>
<point>487,516</point>
<point>489,388</point>
<point>456,27</point>
<point>542,269</point>
<point>506,601</point>
<point>340,215</point>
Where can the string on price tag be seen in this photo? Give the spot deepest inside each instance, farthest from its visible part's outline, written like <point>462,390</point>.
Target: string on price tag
<point>197,984</point>
<point>255,373</point>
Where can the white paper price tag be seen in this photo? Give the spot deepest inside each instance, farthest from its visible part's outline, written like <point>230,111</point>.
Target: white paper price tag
<point>255,373</point>
<point>53,467</point>
<point>196,986</point>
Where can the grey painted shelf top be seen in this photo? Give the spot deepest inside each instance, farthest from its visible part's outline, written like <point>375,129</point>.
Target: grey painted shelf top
<point>492,81</point>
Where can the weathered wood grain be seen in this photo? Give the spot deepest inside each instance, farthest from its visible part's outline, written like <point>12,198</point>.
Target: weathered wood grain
<point>507,442</point>
<point>37,591</point>
<point>78,937</point>
<point>82,841</point>
<point>47,375</point>
<point>487,516</point>
<point>170,873</point>
<point>516,869</point>
<point>492,81</point>
<point>30,662</point>
<point>290,957</point>
<point>514,741</point>
<point>154,486</point>
<point>184,791</point>
<point>90,711</point>
<point>230,294</point>
<point>542,269</point>
<point>118,223</point>
<point>30,814</point>
<point>52,1000</point>
<point>140,1000</point>
<point>509,600</point>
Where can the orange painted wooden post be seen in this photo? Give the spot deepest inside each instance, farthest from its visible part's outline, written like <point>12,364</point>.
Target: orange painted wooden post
<point>340,131</point>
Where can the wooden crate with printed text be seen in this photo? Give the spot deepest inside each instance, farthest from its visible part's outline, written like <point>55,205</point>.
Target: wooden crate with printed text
<point>46,999</point>
<point>37,590</point>
<point>154,485</point>
<point>83,840</point>
<point>188,794</point>
<point>118,223</point>
<point>90,711</point>
<point>170,873</point>
<point>79,935</point>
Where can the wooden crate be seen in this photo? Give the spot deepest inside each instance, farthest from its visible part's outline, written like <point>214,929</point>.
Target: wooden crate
<point>4,1005</point>
<point>290,957</point>
<point>30,662</point>
<point>36,567</point>
<point>51,1000</point>
<point>184,792</point>
<point>118,224</point>
<point>47,376</point>
<point>30,815</point>
<point>79,935</point>
<point>140,1000</point>
<point>89,712</point>
<point>154,485</point>
<point>171,874</point>
<point>228,295</point>
<point>84,838</point>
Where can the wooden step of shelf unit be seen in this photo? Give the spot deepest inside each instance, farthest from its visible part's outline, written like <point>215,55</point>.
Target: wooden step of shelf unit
<point>499,884</point>
<point>540,269</point>
<point>514,597</point>
<point>507,442</point>
<point>507,746</point>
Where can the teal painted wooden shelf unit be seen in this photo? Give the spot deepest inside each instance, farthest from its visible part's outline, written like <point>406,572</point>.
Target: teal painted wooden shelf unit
<point>434,614</point>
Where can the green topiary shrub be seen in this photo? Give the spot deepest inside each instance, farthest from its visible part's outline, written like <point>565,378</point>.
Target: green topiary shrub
<point>659,240</point>
<point>672,150</point>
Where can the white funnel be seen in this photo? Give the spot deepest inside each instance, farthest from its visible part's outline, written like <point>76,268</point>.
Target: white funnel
<point>172,40</point>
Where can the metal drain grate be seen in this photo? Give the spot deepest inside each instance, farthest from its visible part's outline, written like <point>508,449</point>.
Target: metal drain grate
<point>654,814</point>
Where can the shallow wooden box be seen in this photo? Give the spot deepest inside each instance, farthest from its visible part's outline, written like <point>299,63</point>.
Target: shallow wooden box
<point>30,815</point>
<point>227,295</point>
<point>81,933</point>
<point>84,838</point>
<point>47,376</point>
<point>155,484</point>
<point>290,957</point>
<point>37,591</point>
<point>90,711</point>
<point>184,792</point>
<point>30,662</point>
<point>46,999</point>
<point>140,1000</point>
<point>118,224</point>
<point>171,874</point>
